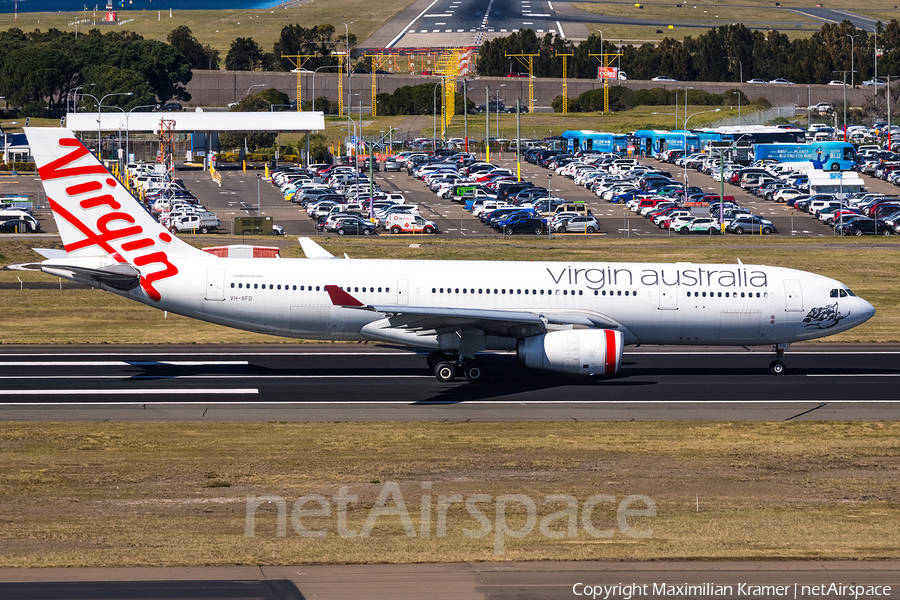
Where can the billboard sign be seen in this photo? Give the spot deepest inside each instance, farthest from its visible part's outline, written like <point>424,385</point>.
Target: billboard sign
<point>607,73</point>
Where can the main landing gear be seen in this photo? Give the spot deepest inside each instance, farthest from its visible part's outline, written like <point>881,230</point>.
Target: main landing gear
<point>776,367</point>
<point>446,367</point>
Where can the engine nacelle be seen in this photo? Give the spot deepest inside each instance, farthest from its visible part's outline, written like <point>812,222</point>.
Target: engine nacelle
<point>575,352</point>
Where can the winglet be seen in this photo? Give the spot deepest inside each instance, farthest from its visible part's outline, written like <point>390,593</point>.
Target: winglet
<point>313,250</point>
<point>341,298</point>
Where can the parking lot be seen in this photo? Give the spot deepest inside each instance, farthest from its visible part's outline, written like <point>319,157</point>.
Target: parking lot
<point>242,192</point>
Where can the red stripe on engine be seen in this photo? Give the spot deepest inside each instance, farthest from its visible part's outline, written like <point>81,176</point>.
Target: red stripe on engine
<point>612,351</point>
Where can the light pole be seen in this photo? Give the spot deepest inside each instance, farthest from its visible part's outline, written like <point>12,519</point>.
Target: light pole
<point>314,81</point>
<point>6,148</point>
<point>349,78</point>
<point>127,115</point>
<point>434,116</point>
<point>498,115</point>
<point>74,94</point>
<point>685,132</point>
<point>740,63</point>
<point>253,86</point>
<point>487,124</point>
<point>738,94</point>
<point>99,105</point>
<point>852,47</point>
<point>465,83</point>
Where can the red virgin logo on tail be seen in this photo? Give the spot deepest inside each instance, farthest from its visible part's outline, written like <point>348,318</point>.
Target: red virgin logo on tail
<point>113,226</point>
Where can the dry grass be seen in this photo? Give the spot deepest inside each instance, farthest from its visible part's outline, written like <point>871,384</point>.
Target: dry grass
<point>867,267</point>
<point>219,28</point>
<point>97,494</point>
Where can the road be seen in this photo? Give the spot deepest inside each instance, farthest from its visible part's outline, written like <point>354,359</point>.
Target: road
<point>340,382</point>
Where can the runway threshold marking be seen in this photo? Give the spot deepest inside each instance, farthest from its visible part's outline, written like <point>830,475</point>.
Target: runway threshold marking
<point>403,32</point>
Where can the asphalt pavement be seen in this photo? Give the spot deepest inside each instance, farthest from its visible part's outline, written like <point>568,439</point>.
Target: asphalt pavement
<point>797,580</point>
<point>356,382</point>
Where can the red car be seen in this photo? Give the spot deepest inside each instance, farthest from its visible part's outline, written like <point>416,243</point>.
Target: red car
<point>517,74</point>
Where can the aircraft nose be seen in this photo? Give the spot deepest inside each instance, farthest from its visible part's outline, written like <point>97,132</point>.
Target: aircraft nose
<point>866,310</point>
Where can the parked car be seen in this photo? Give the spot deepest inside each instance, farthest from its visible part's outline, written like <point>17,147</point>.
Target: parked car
<point>353,226</point>
<point>579,223</point>
<point>750,224</point>
<point>522,222</point>
<point>782,81</point>
<point>662,78</point>
<point>756,80</point>
<point>700,225</point>
<point>864,226</point>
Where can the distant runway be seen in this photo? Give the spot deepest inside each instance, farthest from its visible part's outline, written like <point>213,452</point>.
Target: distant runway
<point>331,382</point>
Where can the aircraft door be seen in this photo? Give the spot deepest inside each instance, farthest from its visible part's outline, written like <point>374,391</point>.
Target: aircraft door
<point>215,284</point>
<point>403,292</point>
<point>668,297</point>
<point>793,295</point>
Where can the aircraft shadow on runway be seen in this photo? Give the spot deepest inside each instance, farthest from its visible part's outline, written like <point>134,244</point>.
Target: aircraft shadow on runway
<point>151,590</point>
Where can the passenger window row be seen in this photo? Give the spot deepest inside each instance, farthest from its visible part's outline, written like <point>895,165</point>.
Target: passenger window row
<point>728,294</point>
<point>498,292</point>
<point>303,288</point>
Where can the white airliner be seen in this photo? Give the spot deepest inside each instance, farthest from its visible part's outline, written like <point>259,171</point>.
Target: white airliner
<point>564,317</point>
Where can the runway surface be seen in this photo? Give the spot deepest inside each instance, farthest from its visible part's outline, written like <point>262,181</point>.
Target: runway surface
<point>458,581</point>
<point>374,383</point>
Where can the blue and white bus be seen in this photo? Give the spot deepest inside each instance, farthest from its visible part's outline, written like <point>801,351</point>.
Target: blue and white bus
<point>652,142</point>
<point>825,156</point>
<point>585,139</point>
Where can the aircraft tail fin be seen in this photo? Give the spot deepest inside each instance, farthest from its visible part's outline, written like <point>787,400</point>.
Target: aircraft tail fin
<point>96,215</point>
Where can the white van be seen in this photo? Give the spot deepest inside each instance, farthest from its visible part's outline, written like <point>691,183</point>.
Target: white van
<point>11,214</point>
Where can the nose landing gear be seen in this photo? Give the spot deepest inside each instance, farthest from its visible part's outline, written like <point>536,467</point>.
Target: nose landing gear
<point>776,367</point>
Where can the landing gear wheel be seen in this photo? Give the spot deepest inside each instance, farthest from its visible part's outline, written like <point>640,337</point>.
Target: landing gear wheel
<point>435,357</point>
<point>445,371</point>
<point>776,367</point>
<point>473,372</point>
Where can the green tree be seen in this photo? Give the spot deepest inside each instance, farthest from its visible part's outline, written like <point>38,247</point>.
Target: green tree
<point>200,56</point>
<point>244,55</point>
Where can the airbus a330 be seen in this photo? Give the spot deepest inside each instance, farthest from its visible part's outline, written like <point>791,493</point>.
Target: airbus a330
<point>572,318</point>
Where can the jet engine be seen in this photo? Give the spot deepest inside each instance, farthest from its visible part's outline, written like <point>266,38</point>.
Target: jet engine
<point>575,352</point>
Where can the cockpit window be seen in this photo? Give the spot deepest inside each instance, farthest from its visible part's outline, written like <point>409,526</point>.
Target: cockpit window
<point>843,293</point>
<point>850,293</point>
<point>834,293</point>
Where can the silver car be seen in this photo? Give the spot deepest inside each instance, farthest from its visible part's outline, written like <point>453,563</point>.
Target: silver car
<point>750,224</point>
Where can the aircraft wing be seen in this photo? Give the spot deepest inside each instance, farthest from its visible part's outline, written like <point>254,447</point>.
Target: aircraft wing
<point>442,319</point>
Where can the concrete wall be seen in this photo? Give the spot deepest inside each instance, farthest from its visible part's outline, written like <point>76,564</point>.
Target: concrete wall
<point>218,88</point>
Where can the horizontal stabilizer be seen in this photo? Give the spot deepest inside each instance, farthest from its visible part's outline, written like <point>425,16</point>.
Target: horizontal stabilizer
<point>119,276</point>
<point>50,252</point>
<point>313,250</point>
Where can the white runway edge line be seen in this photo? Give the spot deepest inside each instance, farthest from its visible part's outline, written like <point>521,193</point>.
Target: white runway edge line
<point>133,392</point>
<point>403,31</point>
<point>552,403</point>
<point>559,28</point>
<point>123,363</point>
<point>173,377</point>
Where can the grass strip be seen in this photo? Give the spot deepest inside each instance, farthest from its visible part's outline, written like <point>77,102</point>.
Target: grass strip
<point>167,494</point>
